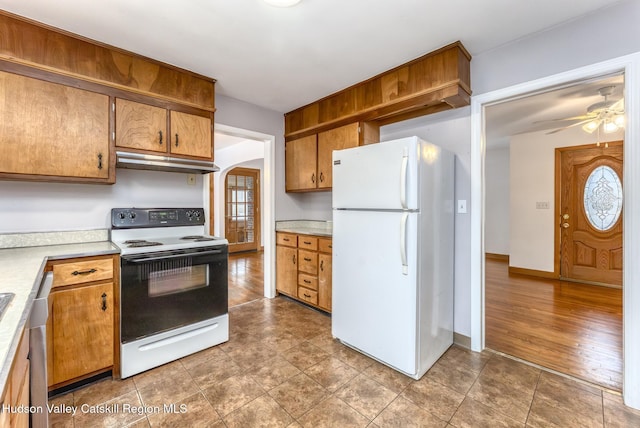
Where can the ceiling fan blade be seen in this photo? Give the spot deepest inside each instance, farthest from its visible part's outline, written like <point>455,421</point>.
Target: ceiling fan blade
<point>568,119</point>
<point>571,126</point>
<point>618,106</point>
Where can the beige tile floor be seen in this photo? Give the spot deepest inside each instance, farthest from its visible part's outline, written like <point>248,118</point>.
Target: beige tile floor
<point>281,367</point>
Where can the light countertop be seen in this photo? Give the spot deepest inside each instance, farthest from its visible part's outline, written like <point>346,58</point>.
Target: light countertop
<point>21,271</point>
<point>306,227</point>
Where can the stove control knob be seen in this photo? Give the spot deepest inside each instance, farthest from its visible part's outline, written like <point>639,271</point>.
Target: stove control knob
<point>132,215</point>
<point>197,214</point>
<point>121,216</point>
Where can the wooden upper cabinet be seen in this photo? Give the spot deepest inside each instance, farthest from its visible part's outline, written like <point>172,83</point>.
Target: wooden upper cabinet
<point>143,127</point>
<point>50,131</point>
<point>301,164</point>
<point>191,135</point>
<point>335,139</point>
<point>140,126</point>
<point>309,160</point>
<point>437,81</point>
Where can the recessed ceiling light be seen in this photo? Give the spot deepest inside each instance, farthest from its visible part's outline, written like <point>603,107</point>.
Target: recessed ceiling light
<point>282,3</point>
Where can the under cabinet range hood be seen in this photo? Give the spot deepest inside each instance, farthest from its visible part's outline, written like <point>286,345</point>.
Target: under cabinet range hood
<point>164,163</point>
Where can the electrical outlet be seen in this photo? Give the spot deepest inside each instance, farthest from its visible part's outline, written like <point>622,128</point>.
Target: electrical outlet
<point>191,179</point>
<point>542,205</point>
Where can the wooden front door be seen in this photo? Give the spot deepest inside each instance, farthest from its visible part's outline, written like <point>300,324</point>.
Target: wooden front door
<point>242,209</point>
<point>590,217</point>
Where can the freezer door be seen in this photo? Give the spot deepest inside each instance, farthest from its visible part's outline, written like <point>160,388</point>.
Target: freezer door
<point>377,176</point>
<point>374,292</point>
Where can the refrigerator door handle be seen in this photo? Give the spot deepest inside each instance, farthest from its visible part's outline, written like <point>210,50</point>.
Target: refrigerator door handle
<point>403,243</point>
<point>403,178</point>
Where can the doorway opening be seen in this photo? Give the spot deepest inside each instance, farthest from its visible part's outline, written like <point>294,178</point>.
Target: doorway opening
<point>530,310</point>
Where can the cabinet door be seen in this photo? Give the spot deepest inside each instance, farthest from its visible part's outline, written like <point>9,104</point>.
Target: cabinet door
<point>340,138</point>
<point>287,270</point>
<point>141,126</point>
<point>191,135</point>
<point>48,129</point>
<point>324,281</point>
<point>300,164</point>
<point>82,331</point>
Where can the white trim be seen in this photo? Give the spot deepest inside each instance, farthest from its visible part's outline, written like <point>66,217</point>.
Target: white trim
<point>630,64</point>
<point>268,201</point>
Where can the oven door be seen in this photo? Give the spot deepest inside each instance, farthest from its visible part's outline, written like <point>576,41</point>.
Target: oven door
<point>164,290</point>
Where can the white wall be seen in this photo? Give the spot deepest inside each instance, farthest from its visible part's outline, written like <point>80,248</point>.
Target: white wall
<point>532,180</point>
<point>38,207</point>
<point>496,224</point>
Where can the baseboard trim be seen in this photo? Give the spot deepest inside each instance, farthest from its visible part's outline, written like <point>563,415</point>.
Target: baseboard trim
<point>533,272</point>
<point>462,340</point>
<point>493,256</point>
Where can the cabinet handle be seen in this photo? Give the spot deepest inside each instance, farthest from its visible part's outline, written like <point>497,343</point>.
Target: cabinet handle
<point>307,243</point>
<point>83,272</point>
<point>307,296</point>
<point>285,239</point>
<point>306,281</point>
<point>99,160</point>
<point>322,265</point>
<point>307,259</point>
<point>321,177</point>
<point>104,301</point>
<point>176,140</point>
<point>160,140</point>
<point>294,259</point>
<point>313,177</point>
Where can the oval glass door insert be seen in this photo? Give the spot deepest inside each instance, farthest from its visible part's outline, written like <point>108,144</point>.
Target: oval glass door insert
<point>603,198</point>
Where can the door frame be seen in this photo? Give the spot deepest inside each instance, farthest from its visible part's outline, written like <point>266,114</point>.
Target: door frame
<point>630,66</point>
<point>268,201</point>
<point>256,207</point>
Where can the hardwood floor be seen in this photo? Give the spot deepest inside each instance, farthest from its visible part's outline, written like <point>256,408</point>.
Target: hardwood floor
<point>572,328</point>
<point>246,277</point>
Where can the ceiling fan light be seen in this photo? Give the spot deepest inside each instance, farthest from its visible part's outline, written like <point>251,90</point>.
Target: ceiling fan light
<point>609,127</point>
<point>591,126</point>
<point>619,120</point>
<point>282,3</point>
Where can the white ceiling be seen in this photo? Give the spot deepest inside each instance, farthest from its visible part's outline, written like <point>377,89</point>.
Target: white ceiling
<point>282,59</point>
<point>540,112</point>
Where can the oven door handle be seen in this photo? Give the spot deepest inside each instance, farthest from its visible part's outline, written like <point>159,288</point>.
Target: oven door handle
<point>173,256</point>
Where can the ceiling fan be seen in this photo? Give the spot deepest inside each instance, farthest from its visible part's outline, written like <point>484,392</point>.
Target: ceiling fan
<point>609,114</point>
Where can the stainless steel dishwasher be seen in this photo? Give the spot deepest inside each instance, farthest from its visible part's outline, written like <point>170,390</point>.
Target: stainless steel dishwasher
<point>38,353</point>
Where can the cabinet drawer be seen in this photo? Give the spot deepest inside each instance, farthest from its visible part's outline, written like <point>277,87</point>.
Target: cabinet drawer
<point>308,281</point>
<point>307,295</point>
<point>308,242</point>
<point>308,262</point>
<point>287,239</point>
<point>82,271</point>
<point>324,245</point>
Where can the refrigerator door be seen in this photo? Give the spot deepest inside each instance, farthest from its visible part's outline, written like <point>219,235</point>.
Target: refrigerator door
<point>377,176</point>
<point>374,293</point>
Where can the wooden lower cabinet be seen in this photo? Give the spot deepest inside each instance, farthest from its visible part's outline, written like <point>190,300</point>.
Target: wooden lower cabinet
<point>303,268</point>
<point>287,264</point>
<point>16,393</point>
<point>81,330</point>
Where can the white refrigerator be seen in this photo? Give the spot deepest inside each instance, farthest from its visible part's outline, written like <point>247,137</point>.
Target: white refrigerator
<point>393,252</point>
